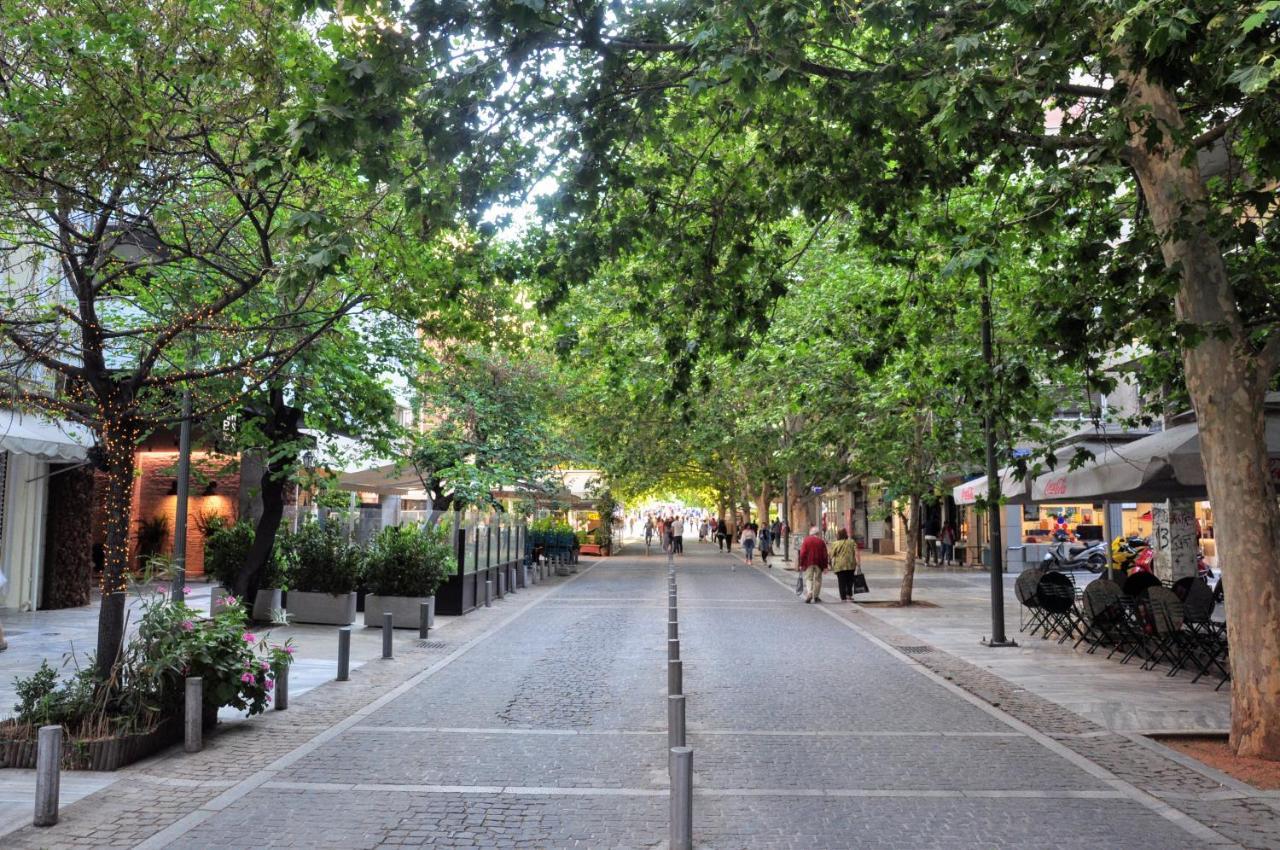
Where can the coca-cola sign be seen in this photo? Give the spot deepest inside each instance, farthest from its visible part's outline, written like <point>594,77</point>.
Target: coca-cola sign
<point>1056,487</point>
<point>967,495</point>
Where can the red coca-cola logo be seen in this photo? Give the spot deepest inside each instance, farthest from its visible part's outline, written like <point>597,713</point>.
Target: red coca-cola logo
<point>1056,487</point>
<point>966,495</point>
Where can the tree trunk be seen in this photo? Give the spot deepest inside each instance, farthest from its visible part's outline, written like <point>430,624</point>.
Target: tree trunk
<point>282,424</point>
<point>1227,380</point>
<point>762,504</point>
<point>911,526</point>
<point>68,564</point>
<point>119,439</point>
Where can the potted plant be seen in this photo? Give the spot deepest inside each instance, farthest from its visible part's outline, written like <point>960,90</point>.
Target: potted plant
<point>152,534</point>
<point>402,568</point>
<point>138,710</point>
<point>321,569</point>
<point>225,551</point>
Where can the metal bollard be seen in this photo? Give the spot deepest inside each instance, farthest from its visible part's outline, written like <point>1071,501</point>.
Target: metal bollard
<point>675,677</point>
<point>193,715</point>
<point>502,583</point>
<point>488,592</point>
<point>673,629</point>
<point>282,687</point>
<point>388,634</point>
<point>48,774</point>
<point>681,767</point>
<point>424,620</point>
<point>675,720</point>
<point>344,653</point>
<point>673,649</point>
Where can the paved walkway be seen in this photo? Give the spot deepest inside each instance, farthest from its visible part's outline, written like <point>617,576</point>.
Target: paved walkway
<point>541,723</point>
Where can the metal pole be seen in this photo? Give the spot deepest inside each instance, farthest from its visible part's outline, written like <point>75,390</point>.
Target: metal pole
<point>48,774</point>
<point>681,766</point>
<point>180,509</point>
<point>424,620</point>
<point>675,677</point>
<point>675,720</point>
<point>673,649</point>
<point>282,687</point>
<point>344,653</point>
<point>488,592</point>
<point>193,715</point>
<point>387,634</point>
<point>673,629</point>
<point>998,637</point>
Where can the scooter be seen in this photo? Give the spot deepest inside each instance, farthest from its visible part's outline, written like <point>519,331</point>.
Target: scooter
<point>1068,556</point>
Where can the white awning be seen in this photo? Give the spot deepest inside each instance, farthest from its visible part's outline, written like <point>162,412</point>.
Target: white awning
<point>47,439</point>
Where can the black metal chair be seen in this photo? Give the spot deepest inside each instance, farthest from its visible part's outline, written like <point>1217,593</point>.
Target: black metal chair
<point>1056,595</point>
<point>1163,611</point>
<point>1031,616</point>
<point>1101,612</point>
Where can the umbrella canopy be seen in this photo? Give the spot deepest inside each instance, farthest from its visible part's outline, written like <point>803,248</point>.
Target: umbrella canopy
<point>1166,465</point>
<point>1019,492</point>
<point>1012,490</point>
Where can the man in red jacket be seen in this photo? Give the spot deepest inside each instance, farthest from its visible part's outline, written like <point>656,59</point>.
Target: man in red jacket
<point>813,560</point>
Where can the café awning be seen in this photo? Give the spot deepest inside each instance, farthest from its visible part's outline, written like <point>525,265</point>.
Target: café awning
<point>47,439</point>
<point>1165,465</point>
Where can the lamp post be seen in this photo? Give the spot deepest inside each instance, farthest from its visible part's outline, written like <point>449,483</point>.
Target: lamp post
<point>998,637</point>
<point>180,510</point>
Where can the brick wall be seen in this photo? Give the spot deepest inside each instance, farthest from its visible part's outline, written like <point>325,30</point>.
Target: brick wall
<point>151,497</point>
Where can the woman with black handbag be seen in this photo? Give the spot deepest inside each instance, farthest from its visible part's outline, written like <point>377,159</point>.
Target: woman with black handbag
<point>844,562</point>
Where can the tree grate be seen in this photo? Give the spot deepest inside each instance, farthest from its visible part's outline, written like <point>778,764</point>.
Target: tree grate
<point>915,650</point>
<point>431,644</point>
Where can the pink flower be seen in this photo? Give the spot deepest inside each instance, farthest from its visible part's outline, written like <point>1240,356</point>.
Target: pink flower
<point>229,600</point>
<point>289,649</point>
<point>187,625</point>
<point>186,591</point>
<point>247,678</point>
<point>269,683</point>
<point>249,637</point>
<point>265,666</point>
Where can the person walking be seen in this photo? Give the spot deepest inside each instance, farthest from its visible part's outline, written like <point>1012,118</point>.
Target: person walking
<point>812,561</point>
<point>947,537</point>
<point>648,532</point>
<point>748,541</point>
<point>765,541</point>
<point>677,535</point>
<point>845,563</point>
<point>703,528</point>
<point>722,534</point>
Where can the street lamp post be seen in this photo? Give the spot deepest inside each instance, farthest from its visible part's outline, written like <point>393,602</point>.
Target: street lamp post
<point>786,520</point>
<point>998,637</point>
<point>180,510</point>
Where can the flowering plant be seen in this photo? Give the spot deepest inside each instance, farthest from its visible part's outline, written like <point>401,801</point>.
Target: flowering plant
<point>238,667</point>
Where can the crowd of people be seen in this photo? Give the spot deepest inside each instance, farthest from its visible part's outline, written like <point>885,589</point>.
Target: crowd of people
<point>666,528</point>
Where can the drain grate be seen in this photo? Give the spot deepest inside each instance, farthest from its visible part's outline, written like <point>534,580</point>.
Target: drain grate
<point>915,650</point>
<point>431,644</point>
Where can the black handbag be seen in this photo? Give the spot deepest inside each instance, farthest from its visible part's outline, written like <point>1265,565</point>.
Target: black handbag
<point>860,583</point>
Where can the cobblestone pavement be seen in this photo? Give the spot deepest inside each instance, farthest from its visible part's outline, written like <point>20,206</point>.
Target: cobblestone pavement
<point>541,723</point>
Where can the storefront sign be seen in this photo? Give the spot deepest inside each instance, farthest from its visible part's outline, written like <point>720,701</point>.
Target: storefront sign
<point>1056,487</point>
<point>967,495</point>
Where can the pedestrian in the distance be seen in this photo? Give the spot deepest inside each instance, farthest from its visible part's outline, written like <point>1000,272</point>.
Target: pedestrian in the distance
<point>703,528</point>
<point>765,541</point>
<point>844,563</point>
<point>813,560</point>
<point>722,535</point>
<point>748,541</point>
<point>677,536</point>
<point>947,537</point>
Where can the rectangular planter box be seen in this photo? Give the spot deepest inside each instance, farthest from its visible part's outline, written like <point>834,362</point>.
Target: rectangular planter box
<point>324,608</point>
<point>404,610</point>
<point>102,754</point>
<point>267,600</point>
<point>593,549</point>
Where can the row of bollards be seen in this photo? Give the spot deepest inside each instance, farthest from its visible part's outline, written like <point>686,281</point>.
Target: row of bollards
<point>680,755</point>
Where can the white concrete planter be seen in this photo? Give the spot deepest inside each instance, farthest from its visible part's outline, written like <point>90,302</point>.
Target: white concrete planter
<point>327,609</point>
<point>404,610</point>
<point>267,601</point>
<point>217,600</point>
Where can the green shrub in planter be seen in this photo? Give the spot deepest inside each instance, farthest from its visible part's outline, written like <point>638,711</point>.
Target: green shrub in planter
<point>407,561</point>
<point>319,560</point>
<point>225,552</point>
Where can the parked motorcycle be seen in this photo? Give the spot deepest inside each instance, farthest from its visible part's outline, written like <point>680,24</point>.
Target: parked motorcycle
<point>1077,556</point>
<point>1135,554</point>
